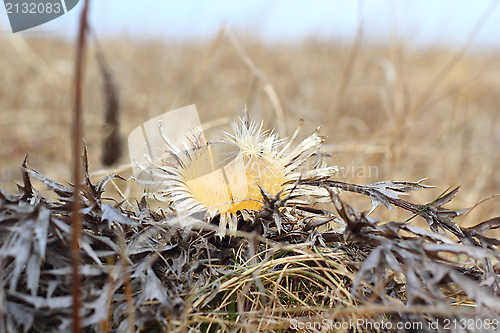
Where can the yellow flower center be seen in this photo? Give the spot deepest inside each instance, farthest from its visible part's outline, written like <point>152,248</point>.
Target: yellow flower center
<point>229,187</point>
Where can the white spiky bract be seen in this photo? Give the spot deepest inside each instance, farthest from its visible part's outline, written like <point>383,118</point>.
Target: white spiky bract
<point>193,185</point>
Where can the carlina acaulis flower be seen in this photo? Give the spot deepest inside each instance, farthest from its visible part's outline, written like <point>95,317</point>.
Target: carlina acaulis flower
<point>205,179</point>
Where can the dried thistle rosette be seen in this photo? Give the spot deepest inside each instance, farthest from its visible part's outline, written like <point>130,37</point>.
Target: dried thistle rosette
<point>206,179</point>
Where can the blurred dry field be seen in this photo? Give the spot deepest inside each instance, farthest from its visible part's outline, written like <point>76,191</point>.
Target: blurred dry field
<point>389,112</point>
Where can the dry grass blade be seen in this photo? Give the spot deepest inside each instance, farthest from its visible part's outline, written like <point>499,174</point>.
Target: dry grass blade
<point>422,99</point>
<point>267,86</point>
<point>336,103</point>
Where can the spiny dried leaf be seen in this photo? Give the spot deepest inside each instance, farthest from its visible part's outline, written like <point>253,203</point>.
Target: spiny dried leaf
<point>26,190</point>
<point>111,214</point>
<point>59,188</point>
<point>25,243</point>
<point>53,303</point>
<point>381,193</point>
<point>22,315</point>
<point>99,186</point>
<point>485,226</point>
<point>171,270</point>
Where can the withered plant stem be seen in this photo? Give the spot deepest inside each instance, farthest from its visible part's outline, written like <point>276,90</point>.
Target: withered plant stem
<point>77,136</point>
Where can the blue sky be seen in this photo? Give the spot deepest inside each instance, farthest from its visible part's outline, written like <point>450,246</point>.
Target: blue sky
<point>422,22</point>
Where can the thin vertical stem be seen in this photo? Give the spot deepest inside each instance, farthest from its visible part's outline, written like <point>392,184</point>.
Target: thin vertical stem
<point>77,136</point>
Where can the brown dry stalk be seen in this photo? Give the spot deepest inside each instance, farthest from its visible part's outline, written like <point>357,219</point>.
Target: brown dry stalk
<point>77,136</point>
<point>112,141</point>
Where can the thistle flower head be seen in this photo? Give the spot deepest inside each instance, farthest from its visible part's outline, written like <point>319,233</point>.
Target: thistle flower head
<point>221,178</point>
